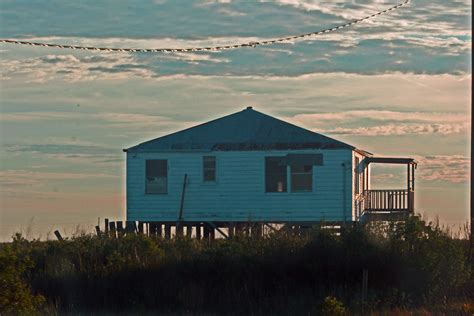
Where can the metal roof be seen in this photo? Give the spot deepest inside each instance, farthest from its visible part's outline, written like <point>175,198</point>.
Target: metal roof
<point>242,131</point>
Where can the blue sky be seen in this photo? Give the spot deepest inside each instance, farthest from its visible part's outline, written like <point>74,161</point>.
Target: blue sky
<point>397,85</point>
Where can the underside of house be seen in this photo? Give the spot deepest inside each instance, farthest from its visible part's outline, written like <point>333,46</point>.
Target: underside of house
<point>248,173</point>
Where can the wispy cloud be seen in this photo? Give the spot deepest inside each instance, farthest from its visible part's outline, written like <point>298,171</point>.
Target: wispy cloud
<point>385,123</point>
<point>449,168</point>
<point>74,68</point>
<point>70,152</point>
<point>19,177</point>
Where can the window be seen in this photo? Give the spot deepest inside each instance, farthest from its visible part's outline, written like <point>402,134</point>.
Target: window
<point>209,168</point>
<point>301,178</point>
<point>156,176</point>
<point>275,174</point>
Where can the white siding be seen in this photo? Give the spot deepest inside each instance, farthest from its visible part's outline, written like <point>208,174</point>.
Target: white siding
<point>239,193</point>
<point>358,172</point>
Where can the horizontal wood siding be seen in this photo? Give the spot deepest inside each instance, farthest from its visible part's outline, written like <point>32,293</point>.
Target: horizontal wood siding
<point>239,192</point>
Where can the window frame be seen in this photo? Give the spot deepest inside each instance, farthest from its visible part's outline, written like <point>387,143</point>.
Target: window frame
<point>203,170</point>
<point>311,177</point>
<point>165,192</point>
<point>285,183</point>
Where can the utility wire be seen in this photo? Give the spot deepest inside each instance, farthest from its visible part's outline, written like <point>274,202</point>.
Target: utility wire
<point>212,48</point>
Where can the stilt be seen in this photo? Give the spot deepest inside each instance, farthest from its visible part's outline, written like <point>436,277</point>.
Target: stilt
<point>152,229</point>
<point>179,230</point>
<point>119,228</point>
<point>239,229</point>
<point>212,234</point>
<point>198,231</point>
<point>231,227</point>
<point>58,235</point>
<point>206,231</point>
<point>112,229</point>
<point>159,230</point>
<point>257,230</point>
<point>167,231</point>
<point>189,230</point>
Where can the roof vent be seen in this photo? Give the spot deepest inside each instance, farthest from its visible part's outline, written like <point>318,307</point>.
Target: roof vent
<point>249,108</point>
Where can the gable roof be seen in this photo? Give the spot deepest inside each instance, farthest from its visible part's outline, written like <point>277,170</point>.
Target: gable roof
<point>241,131</point>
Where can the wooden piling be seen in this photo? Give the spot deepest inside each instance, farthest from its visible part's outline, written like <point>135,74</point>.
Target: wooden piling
<point>257,230</point>
<point>167,231</point>
<point>198,231</point>
<point>189,230</point>
<point>112,229</point>
<point>58,235</point>
<point>130,227</point>
<point>140,228</point>
<point>106,226</point>
<point>231,228</point>
<point>179,230</point>
<point>239,229</point>
<point>97,230</point>
<point>212,233</point>
<point>206,231</point>
<point>120,228</point>
<point>159,229</point>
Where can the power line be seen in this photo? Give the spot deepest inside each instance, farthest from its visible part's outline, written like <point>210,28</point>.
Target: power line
<point>211,48</point>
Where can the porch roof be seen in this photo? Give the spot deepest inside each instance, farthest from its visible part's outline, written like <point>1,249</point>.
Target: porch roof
<point>391,160</point>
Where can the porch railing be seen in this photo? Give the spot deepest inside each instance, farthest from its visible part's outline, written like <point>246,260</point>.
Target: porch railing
<point>388,200</point>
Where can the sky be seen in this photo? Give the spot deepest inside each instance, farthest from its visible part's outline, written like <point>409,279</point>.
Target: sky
<point>398,85</point>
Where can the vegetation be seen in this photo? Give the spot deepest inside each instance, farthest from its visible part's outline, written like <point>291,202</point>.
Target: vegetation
<point>411,266</point>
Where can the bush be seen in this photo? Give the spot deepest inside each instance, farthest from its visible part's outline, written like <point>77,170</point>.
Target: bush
<point>16,296</point>
<point>333,307</point>
<point>410,264</point>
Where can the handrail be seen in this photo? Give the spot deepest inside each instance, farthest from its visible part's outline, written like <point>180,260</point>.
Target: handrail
<point>388,200</point>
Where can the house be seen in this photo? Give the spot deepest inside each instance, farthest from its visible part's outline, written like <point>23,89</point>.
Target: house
<point>251,167</point>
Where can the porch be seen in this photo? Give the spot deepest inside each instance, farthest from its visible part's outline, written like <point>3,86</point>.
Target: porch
<point>387,204</point>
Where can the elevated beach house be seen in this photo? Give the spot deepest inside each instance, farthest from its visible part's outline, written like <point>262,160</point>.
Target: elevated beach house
<point>251,167</point>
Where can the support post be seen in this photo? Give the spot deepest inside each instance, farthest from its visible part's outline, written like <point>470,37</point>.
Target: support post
<point>112,229</point>
<point>206,231</point>
<point>198,231</point>
<point>189,230</point>
<point>179,229</point>
<point>167,231</point>
<point>408,189</point>
<point>231,228</point>
<point>58,235</point>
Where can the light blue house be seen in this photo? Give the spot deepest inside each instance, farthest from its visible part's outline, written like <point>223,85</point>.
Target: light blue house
<point>251,167</point>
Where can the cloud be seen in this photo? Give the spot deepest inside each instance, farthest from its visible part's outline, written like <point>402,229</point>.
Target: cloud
<point>77,153</point>
<point>20,177</point>
<point>401,129</point>
<point>74,68</point>
<point>449,168</point>
<point>385,123</point>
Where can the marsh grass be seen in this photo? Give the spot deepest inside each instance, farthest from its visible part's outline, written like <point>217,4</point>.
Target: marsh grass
<point>412,265</point>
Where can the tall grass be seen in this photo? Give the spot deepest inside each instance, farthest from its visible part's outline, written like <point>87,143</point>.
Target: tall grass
<point>411,264</point>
